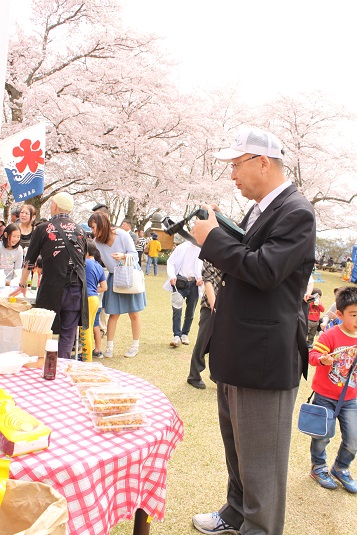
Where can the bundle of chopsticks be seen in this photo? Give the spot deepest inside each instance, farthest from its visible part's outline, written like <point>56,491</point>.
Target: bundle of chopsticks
<point>37,320</point>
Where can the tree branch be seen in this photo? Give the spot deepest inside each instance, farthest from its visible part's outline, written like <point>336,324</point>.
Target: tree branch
<point>321,197</point>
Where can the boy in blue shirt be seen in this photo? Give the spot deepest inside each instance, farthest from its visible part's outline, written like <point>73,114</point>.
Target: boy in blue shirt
<point>96,283</point>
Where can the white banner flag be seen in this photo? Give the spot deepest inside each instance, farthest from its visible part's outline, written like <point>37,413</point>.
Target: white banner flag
<point>23,157</point>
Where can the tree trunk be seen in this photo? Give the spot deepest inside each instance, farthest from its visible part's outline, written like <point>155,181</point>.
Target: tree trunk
<point>16,109</point>
<point>131,212</point>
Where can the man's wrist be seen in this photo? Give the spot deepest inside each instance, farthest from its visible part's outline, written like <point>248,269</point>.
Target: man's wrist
<point>22,285</point>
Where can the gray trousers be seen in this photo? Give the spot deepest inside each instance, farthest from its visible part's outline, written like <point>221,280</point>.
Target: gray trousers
<point>198,363</point>
<point>256,431</point>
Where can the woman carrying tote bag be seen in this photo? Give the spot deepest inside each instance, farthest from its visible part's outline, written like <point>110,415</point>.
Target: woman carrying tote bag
<point>114,245</point>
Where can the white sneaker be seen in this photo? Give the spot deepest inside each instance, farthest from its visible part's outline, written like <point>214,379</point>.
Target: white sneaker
<point>108,353</point>
<point>132,352</point>
<point>175,342</point>
<point>212,523</point>
<point>185,340</point>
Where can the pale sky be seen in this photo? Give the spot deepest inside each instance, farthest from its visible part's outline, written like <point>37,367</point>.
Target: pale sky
<point>265,47</point>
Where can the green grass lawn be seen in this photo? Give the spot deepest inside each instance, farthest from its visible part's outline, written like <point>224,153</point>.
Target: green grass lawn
<point>197,476</point>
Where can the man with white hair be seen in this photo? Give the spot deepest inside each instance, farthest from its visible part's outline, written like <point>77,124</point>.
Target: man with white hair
<point>62,246</point>
<point>257,334</point>
<point>127,226</point>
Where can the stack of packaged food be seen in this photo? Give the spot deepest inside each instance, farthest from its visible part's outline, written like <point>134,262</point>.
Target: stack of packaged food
<point>115,408</point>
<point>83,375</point>
<point>111,407</point>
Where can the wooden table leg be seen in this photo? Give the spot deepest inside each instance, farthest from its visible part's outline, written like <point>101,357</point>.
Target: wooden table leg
<point>141,525</point>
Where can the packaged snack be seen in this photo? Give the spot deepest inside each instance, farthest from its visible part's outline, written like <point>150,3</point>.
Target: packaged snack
<point>116,423</point>
<point>111,399</point>
<point>82,388</point>
<point>79,366</point>
<point>88,377</point>
<point>89,409</point>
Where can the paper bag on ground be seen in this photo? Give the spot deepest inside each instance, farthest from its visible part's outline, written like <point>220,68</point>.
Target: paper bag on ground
<point>10,312</point>
<point>30,508</point>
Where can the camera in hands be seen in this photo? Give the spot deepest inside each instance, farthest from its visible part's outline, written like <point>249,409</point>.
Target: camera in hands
<point>226,224</point>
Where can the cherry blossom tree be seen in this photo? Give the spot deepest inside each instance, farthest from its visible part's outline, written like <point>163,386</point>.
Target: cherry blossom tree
<point>120,132</point>
<point>320,157</point>
<point>56,72</point>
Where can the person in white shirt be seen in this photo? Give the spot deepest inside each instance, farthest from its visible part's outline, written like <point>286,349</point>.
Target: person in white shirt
<point>11,252</point>
<point>184,261</point>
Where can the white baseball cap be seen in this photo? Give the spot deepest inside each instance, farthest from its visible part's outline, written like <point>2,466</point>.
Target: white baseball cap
<point>252,141</point>
<point>64,201</point>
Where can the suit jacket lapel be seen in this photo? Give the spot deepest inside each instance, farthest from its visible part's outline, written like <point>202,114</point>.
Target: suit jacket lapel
<point>276,203</point>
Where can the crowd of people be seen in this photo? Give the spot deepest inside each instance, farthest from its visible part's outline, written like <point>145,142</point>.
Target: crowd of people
<point>257,321</point>
<point>72,274</point>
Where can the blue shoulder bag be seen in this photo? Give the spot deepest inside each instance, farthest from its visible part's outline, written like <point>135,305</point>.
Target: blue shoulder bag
<point>320,422</point>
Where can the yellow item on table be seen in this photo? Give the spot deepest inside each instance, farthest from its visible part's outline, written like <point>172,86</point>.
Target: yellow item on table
<point>4,476</point>
<point>20,432</point>
<point>4,395</point>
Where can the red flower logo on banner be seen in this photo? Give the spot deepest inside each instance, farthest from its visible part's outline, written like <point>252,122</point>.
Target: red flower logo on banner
<point>31,155</point>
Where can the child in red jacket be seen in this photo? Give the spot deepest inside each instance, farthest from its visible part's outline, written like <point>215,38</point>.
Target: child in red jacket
<point>333,355</point>
<point>315,309</point>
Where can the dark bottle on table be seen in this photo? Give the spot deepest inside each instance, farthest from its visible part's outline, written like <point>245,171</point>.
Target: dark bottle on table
<point>50,365</point>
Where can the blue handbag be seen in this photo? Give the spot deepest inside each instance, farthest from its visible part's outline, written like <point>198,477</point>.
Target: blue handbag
<point>320,422</point>
<point>316,421</point>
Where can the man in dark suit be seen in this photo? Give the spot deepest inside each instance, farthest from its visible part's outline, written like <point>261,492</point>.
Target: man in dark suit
<point>257,345</point>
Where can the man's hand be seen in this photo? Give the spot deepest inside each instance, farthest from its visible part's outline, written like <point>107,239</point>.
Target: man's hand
<point>203,227</point>
<point>23,282</point>
<point>18,292</point>
<point>216,208</point>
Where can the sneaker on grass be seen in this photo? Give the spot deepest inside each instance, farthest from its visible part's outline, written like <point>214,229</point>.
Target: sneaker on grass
<point>132,352</point>
<point>212,523</point>
<point>176,342</point>
<point>323,477</point>
<point>108,353</point>
<point>185,340</point>
<point>345,478</point>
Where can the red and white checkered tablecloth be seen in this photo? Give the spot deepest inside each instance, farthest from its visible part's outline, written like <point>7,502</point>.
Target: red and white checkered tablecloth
<point>105,477</point>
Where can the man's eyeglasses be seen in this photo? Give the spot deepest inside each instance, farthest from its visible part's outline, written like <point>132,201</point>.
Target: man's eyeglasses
<point>235,165</point>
